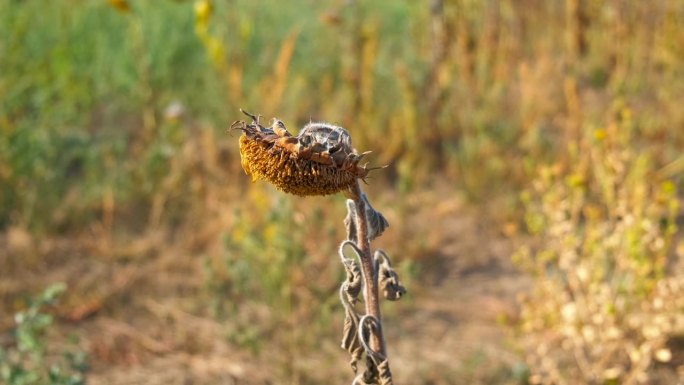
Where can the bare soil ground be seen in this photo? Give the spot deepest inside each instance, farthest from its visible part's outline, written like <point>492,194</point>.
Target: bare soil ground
<point>133,307</point>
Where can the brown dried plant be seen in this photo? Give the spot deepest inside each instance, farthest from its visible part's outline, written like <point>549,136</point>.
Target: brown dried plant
<point>322,161</point>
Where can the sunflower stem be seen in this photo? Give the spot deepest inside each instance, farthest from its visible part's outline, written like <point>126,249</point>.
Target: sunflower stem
<point>370,275</point>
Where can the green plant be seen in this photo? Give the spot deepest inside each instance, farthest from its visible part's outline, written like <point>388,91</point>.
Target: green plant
<point>28,361</point>
<point>260,244</point>
<point>266,277</point>
<point>604,304</point>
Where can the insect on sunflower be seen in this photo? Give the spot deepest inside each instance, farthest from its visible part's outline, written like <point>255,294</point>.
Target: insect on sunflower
<point>320,160</point>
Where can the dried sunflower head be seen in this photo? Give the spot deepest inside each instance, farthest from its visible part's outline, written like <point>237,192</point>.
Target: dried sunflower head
<point>318,161</point>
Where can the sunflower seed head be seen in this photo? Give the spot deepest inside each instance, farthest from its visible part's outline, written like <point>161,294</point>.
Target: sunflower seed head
<point>318,161</point>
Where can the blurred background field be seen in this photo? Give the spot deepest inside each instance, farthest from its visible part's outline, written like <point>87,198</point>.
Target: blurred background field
<point>536,159</point>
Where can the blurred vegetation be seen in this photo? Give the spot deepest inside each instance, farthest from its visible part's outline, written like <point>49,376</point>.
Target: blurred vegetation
<point>30,361</point>
<point>268,275</point>
<point>92,94</point>
<point>604,306</point>
<point>113,117</point>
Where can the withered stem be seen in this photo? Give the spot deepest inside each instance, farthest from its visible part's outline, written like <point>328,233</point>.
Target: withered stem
<point>370,293</point>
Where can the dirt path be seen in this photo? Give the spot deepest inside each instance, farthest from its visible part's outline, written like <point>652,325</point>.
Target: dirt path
<point>455,320</point>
